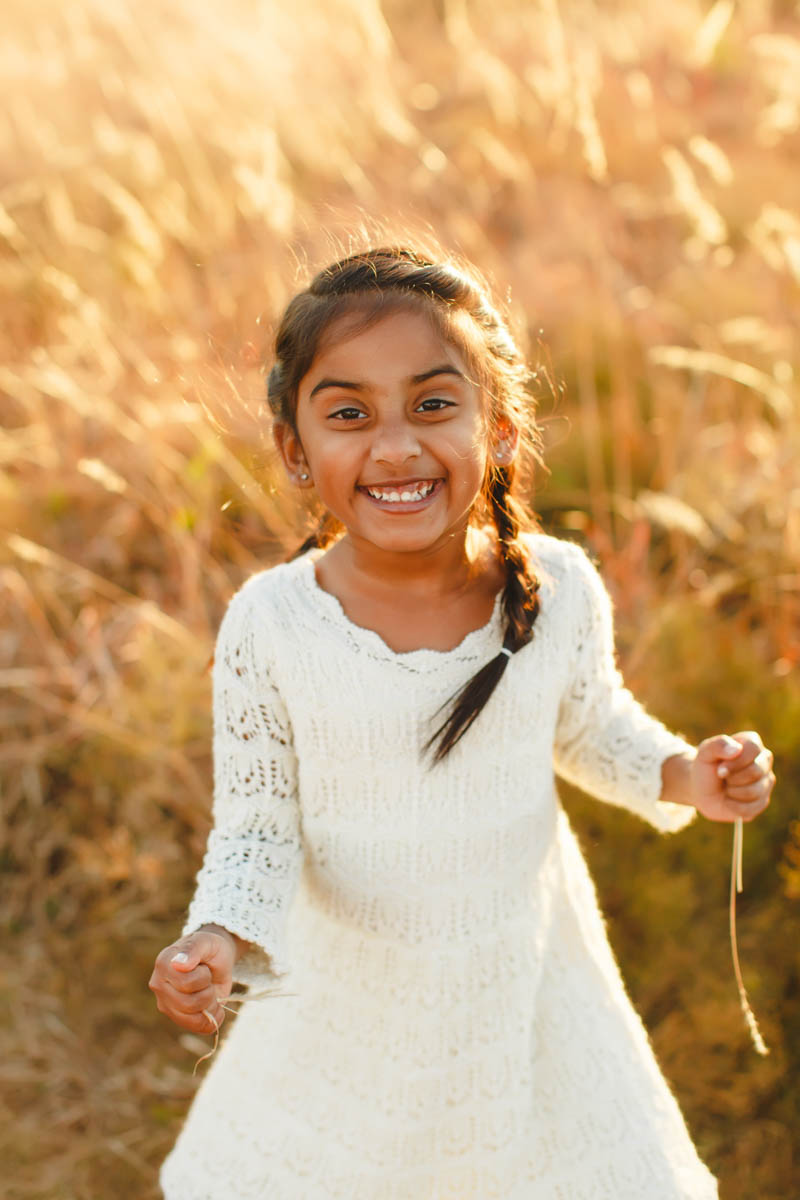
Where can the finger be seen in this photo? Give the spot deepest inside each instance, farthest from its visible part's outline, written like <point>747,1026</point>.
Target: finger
<point>749,752</point>
<point>196,981</point>
<point>212,1018</point>
<point>177,973</point>
<point>751,744</point>
<point>196,1019</point>
<point>750,791</point>
<point>207,947</point>
<point>202,1022</point>
<point>194,1002</point>
<point>188,953</point>
<point>754,772</point>
<point>721,748</point>
<point>749,735</point>
<point>745,812</point>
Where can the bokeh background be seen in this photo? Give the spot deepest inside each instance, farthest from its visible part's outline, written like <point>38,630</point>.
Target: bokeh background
<point>627,173</point>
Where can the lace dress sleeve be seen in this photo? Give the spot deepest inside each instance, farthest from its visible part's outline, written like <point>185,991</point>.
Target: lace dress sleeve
<point>605,741</point>
<point>254,855</point>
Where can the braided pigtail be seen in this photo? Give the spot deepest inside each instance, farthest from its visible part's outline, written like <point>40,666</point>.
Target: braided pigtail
<point>521,607</point>
<point>326,531</point>
<point>521,593</point>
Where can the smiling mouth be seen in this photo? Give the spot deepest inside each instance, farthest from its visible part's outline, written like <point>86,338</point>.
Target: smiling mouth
<point>405,493</point>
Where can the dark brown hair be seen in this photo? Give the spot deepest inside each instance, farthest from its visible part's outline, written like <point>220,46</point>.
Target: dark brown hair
<point>367,286</point>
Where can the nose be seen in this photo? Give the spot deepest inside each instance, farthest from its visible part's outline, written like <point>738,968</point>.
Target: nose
<point>394,443</point>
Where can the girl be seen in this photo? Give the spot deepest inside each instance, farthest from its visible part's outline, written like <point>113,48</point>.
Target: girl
<point>390,707</point>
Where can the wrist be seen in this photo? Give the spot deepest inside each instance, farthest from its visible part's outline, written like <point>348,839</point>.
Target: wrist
<point>676,778</point>
<point>239,945</point>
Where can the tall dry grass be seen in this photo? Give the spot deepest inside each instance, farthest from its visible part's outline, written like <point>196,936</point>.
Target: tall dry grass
<point>628,174</point>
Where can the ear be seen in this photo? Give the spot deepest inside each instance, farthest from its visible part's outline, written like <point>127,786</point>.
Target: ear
<point>504,442</point>
<point>291,451</point>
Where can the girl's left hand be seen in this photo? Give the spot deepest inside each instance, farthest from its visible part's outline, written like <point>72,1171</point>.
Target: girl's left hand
<point>731,778</point>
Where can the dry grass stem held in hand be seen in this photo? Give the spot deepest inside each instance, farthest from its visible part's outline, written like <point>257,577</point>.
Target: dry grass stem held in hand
<point>736,886</point>
<point>248,999</point>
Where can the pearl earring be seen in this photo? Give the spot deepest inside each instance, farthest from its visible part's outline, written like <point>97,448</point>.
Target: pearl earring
<point>304,476</point>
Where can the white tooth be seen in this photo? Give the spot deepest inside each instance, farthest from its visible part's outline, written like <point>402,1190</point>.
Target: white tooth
<point>415,496</point>
<point>405,496</point>
<point>393,496</point>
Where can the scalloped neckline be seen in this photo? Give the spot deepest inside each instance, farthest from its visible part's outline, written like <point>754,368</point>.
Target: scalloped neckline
<point>466,648</point>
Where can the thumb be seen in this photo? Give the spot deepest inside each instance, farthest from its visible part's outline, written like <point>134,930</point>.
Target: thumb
<point>720,748</point>
<point>204,947</point>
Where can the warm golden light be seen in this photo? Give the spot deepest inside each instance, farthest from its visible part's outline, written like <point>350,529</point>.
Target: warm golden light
<point>628,174</point>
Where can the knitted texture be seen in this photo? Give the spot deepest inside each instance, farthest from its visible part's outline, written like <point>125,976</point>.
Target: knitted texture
<point>447,1019</point>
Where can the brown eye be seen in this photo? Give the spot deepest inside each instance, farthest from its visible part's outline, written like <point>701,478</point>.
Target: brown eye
<point>435,404</point>
<point>346,414</point>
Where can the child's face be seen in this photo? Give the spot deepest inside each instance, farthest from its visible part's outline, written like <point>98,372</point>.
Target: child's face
<point>393,435</point>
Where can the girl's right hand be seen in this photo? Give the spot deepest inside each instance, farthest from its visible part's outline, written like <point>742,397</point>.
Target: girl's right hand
<point>193,977</point>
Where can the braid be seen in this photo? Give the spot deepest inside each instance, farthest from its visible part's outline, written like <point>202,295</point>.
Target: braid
<point>521,607</point>
<point>521,593</point>
<point>322,536</point>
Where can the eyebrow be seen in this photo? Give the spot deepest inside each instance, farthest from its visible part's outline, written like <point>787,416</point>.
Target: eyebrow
<point>350,385</point>
<point>444,369</point>
<point>347,384</point>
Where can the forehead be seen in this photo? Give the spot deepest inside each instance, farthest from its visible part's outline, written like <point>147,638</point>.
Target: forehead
<point>398,345</point>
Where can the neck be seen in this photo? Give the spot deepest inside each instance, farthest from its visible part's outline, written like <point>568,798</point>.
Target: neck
<point>442,570</point>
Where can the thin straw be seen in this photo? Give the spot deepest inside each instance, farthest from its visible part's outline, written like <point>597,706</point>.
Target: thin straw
<point>213,1049</point>
<point>736,886</point>
<point>263,995</point>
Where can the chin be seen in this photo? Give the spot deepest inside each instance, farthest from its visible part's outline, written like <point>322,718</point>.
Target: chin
<point>404,542</point>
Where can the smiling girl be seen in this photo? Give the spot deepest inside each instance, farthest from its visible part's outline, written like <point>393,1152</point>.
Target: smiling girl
<point>390,708</point>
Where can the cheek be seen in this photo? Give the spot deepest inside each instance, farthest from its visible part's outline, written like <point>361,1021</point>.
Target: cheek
<point>469,454</point>
<point>335,467</point>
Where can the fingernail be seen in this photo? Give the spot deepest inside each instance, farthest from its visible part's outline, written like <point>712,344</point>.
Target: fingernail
<point>180,957</point>
<point>722,772</point>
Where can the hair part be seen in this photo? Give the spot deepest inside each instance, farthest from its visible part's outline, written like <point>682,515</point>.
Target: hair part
<point>352,295</point>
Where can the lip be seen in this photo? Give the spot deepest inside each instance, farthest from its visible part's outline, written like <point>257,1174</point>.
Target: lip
<point>403,506</point>
<point>397,484</point>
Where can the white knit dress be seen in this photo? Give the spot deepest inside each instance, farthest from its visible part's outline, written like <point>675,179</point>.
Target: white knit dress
<point>455,1026</point>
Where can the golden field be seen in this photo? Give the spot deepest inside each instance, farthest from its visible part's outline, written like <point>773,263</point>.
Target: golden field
<point>628,176</point>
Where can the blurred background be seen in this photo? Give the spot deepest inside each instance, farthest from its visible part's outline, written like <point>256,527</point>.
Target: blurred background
<point>627,174</point>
